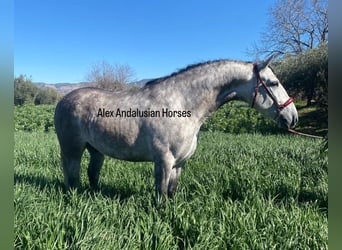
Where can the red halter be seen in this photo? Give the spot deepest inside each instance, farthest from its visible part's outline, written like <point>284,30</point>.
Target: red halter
<point>262,83</point>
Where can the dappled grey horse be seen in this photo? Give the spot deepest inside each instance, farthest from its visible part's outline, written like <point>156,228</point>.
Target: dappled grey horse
<point>160,122</point>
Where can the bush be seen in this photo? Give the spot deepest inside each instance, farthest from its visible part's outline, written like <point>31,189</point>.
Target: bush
<point>233,117</point>
<point>34,118</point>
<point>306,73</point>
<point>236,117</point>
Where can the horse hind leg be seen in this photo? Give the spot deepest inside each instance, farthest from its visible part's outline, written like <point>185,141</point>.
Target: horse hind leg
<point>94,167</point>
<point>71,153</point>
<point>71,167</point>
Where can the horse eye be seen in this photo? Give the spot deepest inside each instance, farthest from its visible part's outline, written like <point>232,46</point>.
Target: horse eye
<point>274,83</point>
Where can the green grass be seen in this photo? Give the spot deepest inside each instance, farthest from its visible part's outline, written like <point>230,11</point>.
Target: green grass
<point>237,192</point>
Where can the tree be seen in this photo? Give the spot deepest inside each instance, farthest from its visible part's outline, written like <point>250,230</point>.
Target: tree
<point>294,26</point>
<point>46,96</point>
<point>306,73</point>
<point>25,91</point>
<point>112,77</point>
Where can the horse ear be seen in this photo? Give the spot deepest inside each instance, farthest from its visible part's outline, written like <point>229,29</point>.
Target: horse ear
<point>267,61</point>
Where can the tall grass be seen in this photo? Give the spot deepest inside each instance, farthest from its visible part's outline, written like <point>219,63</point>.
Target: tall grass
<point>237,192</point>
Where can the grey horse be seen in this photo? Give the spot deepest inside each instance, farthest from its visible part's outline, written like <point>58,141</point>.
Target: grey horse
<point>160,122</point>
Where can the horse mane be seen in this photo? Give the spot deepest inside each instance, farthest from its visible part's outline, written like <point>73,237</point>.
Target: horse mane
<point>190,67</point>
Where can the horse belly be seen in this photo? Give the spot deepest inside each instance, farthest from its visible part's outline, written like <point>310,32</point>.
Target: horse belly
<point>127,153</point>
<point>121,146</point>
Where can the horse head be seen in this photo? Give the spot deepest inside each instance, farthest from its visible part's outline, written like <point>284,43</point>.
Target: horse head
<point>269,97</point>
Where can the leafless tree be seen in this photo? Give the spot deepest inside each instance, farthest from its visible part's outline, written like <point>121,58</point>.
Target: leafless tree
<point>108,76</point>
<point>293,27</point>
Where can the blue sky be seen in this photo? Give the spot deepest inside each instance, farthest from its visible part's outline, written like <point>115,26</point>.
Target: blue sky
<point>58,41</point>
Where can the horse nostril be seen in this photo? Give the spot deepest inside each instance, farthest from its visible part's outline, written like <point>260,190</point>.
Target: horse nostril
<point>294,121</point>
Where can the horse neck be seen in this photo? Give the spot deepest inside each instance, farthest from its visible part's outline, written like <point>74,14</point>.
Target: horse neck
<point>208,87</point>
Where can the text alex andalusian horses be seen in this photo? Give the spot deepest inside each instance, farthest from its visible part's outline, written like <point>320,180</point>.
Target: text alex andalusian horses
<point>160,122</point>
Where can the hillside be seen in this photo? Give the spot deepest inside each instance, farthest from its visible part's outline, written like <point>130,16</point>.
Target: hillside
<point>64,88</point>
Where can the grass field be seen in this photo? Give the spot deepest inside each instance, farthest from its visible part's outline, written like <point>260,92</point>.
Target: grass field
<point>237,192</point>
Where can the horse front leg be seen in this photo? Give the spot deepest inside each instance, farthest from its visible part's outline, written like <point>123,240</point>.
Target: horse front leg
<point>162,174</point>
<point>174,177</point>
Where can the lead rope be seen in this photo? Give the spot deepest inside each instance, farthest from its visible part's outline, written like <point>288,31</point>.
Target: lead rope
<point>303,134</point>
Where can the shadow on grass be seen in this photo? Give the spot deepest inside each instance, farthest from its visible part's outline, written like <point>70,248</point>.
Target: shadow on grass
<point>108,191</point>
<point>312,120</point>
<point>282,193</point>
<point>236,191</point>
<point>40,182</point>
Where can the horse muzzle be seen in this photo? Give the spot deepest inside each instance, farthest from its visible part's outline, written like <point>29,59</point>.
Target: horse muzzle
<point>287,121</point>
